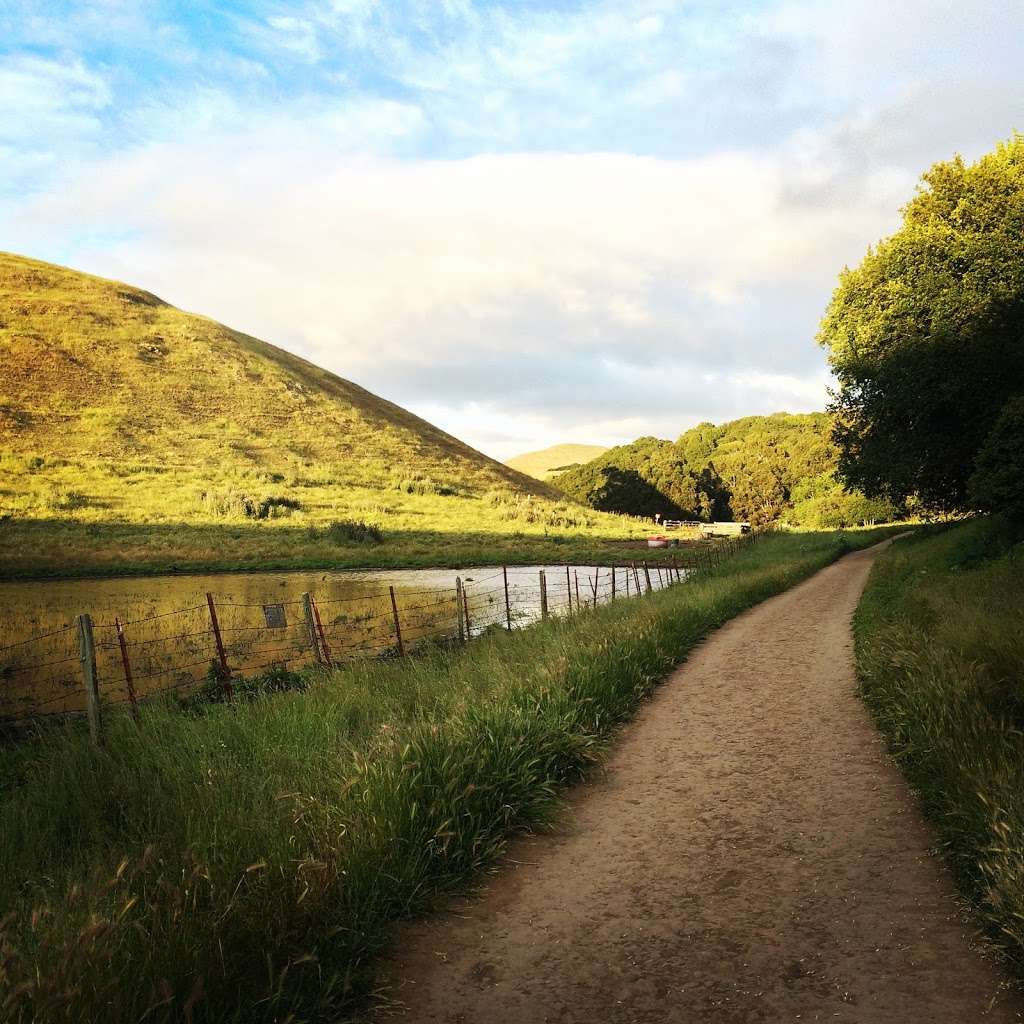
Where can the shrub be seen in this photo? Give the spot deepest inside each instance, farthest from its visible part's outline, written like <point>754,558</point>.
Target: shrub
<point>274,508</point>
<point>822,503</point>
<point>229,502</point>
<point>351,531</point>
<point>65,500</point>
<point>498,496</point>
<point>535,511</point>
<point>276,679</point>
<point>420,484</point>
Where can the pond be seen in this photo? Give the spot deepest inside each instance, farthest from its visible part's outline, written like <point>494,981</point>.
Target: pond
<point>157,634</point>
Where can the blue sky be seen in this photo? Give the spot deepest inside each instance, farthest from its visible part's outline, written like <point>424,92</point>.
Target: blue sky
<point>530,222</point>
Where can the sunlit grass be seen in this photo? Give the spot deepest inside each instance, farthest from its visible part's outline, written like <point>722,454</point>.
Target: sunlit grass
<point>940,648</point>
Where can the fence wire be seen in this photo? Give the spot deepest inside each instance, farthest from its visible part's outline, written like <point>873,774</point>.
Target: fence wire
<point>172,652</point>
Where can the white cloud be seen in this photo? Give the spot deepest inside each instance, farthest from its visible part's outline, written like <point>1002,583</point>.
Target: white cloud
<point>567,291</point>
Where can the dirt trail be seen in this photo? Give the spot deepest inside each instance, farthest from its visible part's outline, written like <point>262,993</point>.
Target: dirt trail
<point>750,855</point>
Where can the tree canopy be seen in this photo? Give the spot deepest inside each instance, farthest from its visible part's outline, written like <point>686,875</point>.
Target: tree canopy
<point>926,336</point>
<point>997,484</point>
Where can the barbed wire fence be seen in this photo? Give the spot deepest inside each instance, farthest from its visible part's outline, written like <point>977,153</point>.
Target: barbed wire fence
<point>88,667</point>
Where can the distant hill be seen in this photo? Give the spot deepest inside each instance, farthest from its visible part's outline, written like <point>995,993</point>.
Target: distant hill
<point>543,464</point>
<point>758,469</point>
<point>117,406</point>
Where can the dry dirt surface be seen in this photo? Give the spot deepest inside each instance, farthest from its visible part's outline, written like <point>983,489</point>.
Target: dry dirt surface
<point>750,854</point>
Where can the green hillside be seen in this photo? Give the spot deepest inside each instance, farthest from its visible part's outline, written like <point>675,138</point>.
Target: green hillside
<point>760,469</point>
<point>559,457</point>
<point>123,419</point>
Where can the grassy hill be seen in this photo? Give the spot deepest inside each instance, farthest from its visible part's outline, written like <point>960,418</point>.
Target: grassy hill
<point>123,420</point>
<point>556,459</point>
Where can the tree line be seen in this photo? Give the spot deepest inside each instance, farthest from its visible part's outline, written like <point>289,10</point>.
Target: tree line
<point>757,469</point>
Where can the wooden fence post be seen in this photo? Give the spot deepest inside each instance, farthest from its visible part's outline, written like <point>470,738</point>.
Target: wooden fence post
<point>465,612</point>
<point>543,596</point>
<point>576,577</point>
<point>613,582</point>
<point>568,588</point>
<point>508,607</point>
<point>398,626</point>
<point>647,577</point>
<point>458,609</point>
<point>636,579</point>
<point>225,671</point>
<point>320,632</point>
<point>87,651</point>
<point>597,580</point>
<point>128,681</point>
<point>627,581</point>
<point>314,643</point>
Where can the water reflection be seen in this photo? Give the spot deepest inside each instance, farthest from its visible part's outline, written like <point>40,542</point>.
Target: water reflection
<point>169,641</point>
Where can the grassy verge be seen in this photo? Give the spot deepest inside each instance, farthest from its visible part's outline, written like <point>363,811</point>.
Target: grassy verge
<point>245,862</point>
<point>64,548</point>
<point>940,651</point>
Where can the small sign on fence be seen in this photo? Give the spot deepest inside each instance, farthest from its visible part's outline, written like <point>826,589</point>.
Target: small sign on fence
<point>274,614</point>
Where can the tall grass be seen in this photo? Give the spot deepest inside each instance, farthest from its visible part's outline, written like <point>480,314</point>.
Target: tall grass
<point>244,863</point>
<point>940,650</point>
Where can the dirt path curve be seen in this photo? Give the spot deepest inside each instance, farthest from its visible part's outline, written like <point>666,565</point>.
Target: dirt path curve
<point>750,855</point>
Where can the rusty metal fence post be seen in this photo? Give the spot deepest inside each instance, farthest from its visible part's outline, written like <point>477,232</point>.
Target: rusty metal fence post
<point>129,682</point>
<point>398,625</point>
<point>221,655</point>
<point>329,661</point>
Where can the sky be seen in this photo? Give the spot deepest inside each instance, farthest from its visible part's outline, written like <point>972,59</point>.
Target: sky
<point>529,222</point>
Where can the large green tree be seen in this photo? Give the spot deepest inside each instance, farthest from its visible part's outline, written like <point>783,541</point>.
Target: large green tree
<point>997,484</point>
<point>926,336</point>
